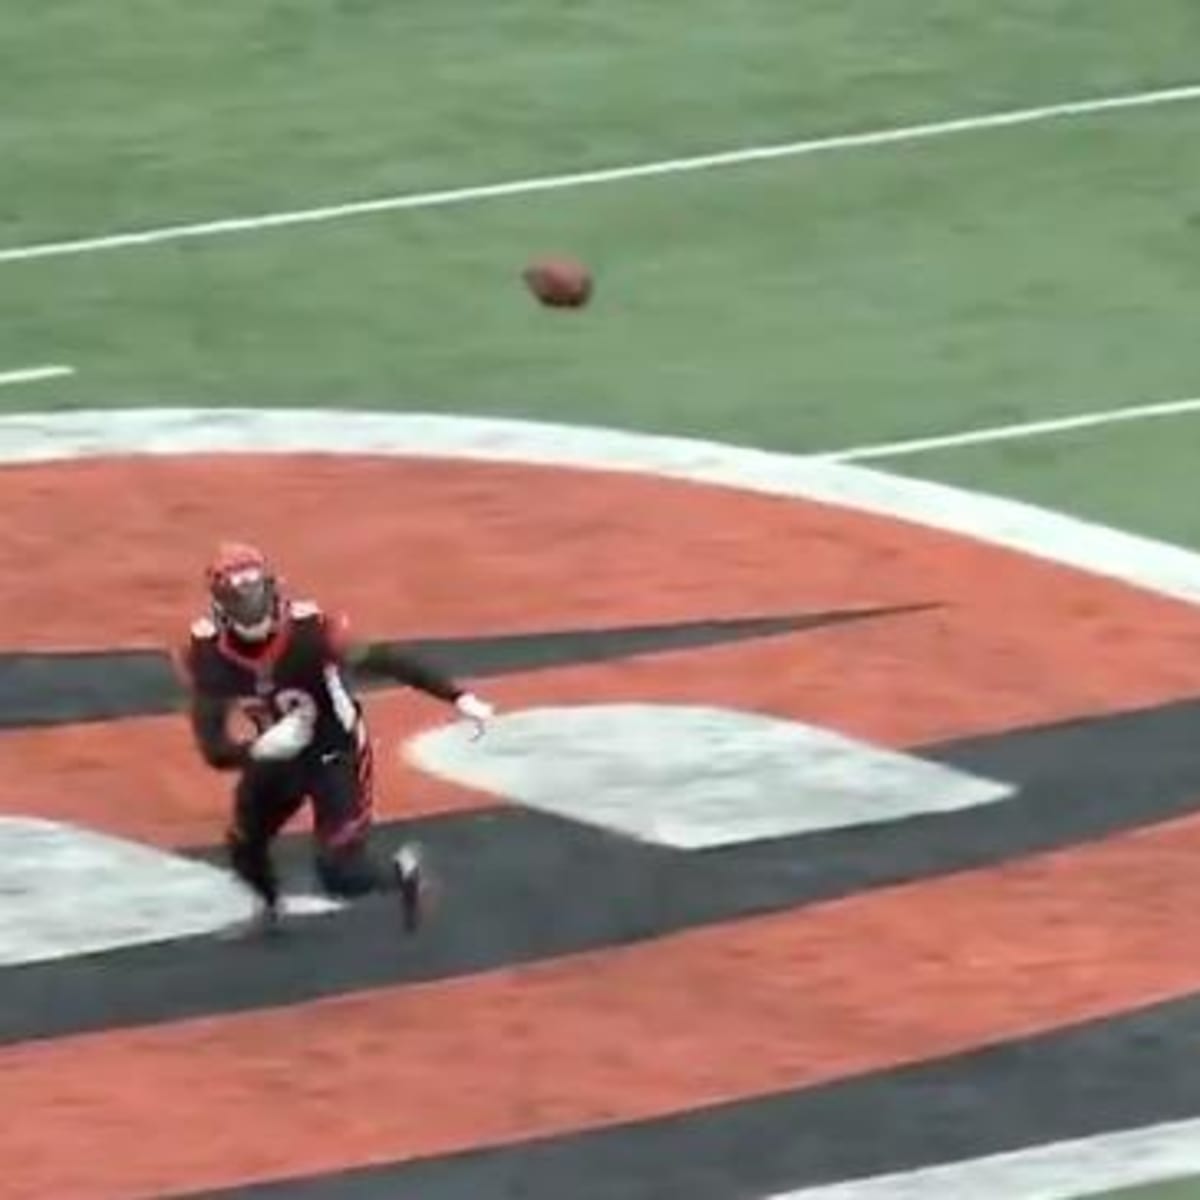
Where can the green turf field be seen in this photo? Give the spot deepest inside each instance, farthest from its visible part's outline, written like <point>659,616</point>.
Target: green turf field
<point>1180,1189</point>
<point>809,304</point>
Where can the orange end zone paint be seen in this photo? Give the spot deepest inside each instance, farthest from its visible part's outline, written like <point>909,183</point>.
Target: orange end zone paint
<point>440,548</point>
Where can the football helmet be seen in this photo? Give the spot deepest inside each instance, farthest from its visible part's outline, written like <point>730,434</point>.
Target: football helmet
<point>243,591</point>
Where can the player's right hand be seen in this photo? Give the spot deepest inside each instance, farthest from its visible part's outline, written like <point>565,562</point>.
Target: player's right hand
<point>283,740</point>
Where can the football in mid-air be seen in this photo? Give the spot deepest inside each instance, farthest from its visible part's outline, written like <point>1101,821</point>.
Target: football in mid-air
<point>559,282</point>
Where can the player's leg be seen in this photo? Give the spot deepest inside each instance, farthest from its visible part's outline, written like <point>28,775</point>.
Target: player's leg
<point>343,801</point>
<point>266,797</point>
<point>342,798</point>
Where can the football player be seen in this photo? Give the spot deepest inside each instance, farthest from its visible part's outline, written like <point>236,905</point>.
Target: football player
<point>282,663</point>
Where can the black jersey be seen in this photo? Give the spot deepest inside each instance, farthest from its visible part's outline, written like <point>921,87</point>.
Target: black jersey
<point>299,667</point>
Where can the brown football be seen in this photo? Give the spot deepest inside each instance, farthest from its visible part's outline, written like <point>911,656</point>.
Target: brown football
<point>559,282</point>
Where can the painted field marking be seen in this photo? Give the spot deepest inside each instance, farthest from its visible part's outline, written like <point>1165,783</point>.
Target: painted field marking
<point>1060,1171</point>
<point>1043,1173</point>
<point>146,894</point>
<point>645,770</point>
<point>34,374</point>
<point>1055,537</point>
<point>1004,433</point>
<point>552,183</point>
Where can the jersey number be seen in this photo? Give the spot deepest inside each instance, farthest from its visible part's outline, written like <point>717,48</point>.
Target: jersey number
<point>264,712</point>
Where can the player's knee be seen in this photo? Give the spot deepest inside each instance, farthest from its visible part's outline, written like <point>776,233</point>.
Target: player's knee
<point>347,871</point>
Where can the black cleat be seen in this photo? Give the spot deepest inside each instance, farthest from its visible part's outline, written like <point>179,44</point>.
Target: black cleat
<point>406,863</point>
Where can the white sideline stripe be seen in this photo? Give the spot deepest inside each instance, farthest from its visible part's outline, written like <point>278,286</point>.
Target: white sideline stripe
<point>1061,1171</point>
<point>1070,541</point>
<point>1003,433</point>
<point>34,374</point>
<point>551,183</point>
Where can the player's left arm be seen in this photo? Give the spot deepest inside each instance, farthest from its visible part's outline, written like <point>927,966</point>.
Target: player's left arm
<point>382,661</point>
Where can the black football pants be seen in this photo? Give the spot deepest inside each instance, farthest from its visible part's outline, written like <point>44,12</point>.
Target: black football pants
<point>339,788</point>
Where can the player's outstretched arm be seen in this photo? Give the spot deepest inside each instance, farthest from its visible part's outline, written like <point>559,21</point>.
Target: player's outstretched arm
<point>389,662</point>
<point>381,661</point>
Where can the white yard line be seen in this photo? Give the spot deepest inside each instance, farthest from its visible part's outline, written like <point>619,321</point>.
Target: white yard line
<point>1005,433</point>
<point>34,374</point>
<point>551,183</point>
<point>1060,1171</point>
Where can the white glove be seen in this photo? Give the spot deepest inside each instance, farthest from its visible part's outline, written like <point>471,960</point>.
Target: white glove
<point>285,739</point>
<point>477,711</point>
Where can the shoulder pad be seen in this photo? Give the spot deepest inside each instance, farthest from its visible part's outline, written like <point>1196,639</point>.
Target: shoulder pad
<point>203,629</point>
<point>302,610</point>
